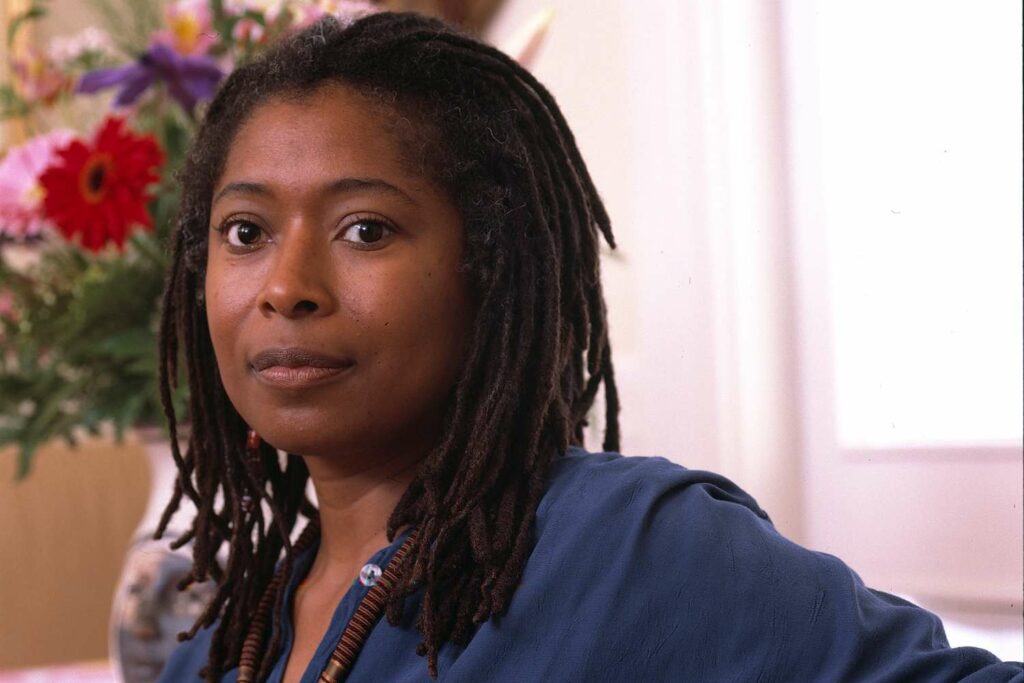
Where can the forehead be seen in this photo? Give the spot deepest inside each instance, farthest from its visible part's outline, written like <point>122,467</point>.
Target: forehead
<point>332,130</point>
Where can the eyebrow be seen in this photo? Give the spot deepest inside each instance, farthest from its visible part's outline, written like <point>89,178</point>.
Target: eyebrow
<point>339,186</point>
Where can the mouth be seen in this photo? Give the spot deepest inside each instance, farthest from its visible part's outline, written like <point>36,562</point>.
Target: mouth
<point>297,368</point>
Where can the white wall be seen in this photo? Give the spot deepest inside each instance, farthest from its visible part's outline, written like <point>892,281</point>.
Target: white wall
<point>689,166</point>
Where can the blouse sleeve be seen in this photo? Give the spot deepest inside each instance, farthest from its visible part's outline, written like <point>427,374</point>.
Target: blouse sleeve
<point>803,615</point>
<point>675,574</point>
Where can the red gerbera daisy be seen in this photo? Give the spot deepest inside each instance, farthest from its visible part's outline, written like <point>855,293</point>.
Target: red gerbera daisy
<point>97,190</point>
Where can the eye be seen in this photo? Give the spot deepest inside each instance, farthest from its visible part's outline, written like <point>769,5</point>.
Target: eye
<point>241,233</point>
<point>367,232</point>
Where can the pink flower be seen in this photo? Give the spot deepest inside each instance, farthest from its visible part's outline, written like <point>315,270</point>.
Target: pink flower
<point>248,30</point>
<point>21,195</point>
<point>6,304</point>
<point>190,27</point>
<point>7,309</point>
<point>8,313</point>
<point>37,79</point>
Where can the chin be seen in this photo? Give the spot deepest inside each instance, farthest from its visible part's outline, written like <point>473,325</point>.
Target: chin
<point>290,429</point>
<point>289,441</point>
<point>311,439</point>
<point>325,430</point>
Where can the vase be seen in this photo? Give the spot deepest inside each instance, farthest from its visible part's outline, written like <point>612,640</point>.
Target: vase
<point>148,610</point>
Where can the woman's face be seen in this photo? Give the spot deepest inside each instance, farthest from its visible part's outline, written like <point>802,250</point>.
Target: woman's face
<point>335,301</point>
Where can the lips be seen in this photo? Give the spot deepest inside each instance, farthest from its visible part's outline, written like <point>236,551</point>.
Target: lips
<point>296,367</point>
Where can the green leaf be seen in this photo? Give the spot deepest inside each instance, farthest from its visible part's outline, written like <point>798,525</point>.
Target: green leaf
<point>127,344</point>
<point>11,104</point>
<point>24,461</point>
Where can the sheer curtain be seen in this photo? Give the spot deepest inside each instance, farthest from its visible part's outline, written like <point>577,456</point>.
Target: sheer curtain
<point>778,254</point>
<point>678,109</point>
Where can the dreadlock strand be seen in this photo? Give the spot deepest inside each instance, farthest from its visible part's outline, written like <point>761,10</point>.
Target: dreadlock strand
<point>596,331</point>
<point>429,480</point>
<point>493,407</point>
<point>597,345</point>
<point>611,399</point>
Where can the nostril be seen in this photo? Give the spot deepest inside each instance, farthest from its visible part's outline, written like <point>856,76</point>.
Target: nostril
<point>290,304</point>
<point>306,305</point>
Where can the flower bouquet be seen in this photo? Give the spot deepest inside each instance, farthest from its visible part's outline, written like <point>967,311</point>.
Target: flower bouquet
<point>86,205</point>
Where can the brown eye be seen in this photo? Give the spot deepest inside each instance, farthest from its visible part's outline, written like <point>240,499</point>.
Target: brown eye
<point>243,233</point>
<point>366,232</point>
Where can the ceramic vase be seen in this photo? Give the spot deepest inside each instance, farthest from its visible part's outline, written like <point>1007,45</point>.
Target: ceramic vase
<point>149,611</point>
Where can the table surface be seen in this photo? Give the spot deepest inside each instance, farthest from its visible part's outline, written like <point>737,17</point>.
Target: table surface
<point>99,671</point>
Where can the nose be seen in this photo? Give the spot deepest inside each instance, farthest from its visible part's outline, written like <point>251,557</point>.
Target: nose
<point>298,283</point>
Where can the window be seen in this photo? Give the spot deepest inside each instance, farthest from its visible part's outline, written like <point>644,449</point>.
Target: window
<point>921,174</point>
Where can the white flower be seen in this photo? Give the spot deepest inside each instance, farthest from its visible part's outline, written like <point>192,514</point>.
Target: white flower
<point>268,8</point>
<point>66,49</point>
<point>303,13</point>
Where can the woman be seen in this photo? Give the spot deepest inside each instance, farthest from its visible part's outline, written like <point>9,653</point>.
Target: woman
<point>387,266</point>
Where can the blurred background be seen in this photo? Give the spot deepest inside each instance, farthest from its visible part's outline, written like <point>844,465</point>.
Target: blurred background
<point>818,291</point>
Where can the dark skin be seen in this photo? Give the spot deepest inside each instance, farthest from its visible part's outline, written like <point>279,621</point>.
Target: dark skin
<point>322,238</point>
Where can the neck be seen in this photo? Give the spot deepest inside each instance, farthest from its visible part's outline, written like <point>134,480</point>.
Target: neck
<point>355,505</point>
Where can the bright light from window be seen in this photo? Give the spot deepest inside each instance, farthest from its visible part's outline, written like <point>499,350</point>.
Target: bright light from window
<point>921,128</point>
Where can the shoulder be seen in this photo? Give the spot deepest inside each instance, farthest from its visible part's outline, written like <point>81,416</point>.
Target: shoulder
<point>650,527</point>
<point>671,556</point>
<point>689,530</point>
<point>602,490</point>
<point>646,546</point>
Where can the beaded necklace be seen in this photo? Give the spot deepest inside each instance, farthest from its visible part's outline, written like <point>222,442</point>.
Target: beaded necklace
<point>367,613</point>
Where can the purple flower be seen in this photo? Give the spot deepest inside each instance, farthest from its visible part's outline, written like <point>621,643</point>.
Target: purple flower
<point>188,79</point>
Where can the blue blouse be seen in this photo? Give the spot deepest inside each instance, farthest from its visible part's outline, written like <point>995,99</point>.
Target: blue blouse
<point>643,570</point>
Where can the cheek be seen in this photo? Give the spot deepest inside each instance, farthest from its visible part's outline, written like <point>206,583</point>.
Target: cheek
<point>227,299</point>
<point>423,321</point>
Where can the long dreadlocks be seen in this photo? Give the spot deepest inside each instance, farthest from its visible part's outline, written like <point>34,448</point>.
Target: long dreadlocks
<point>491,136</point>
